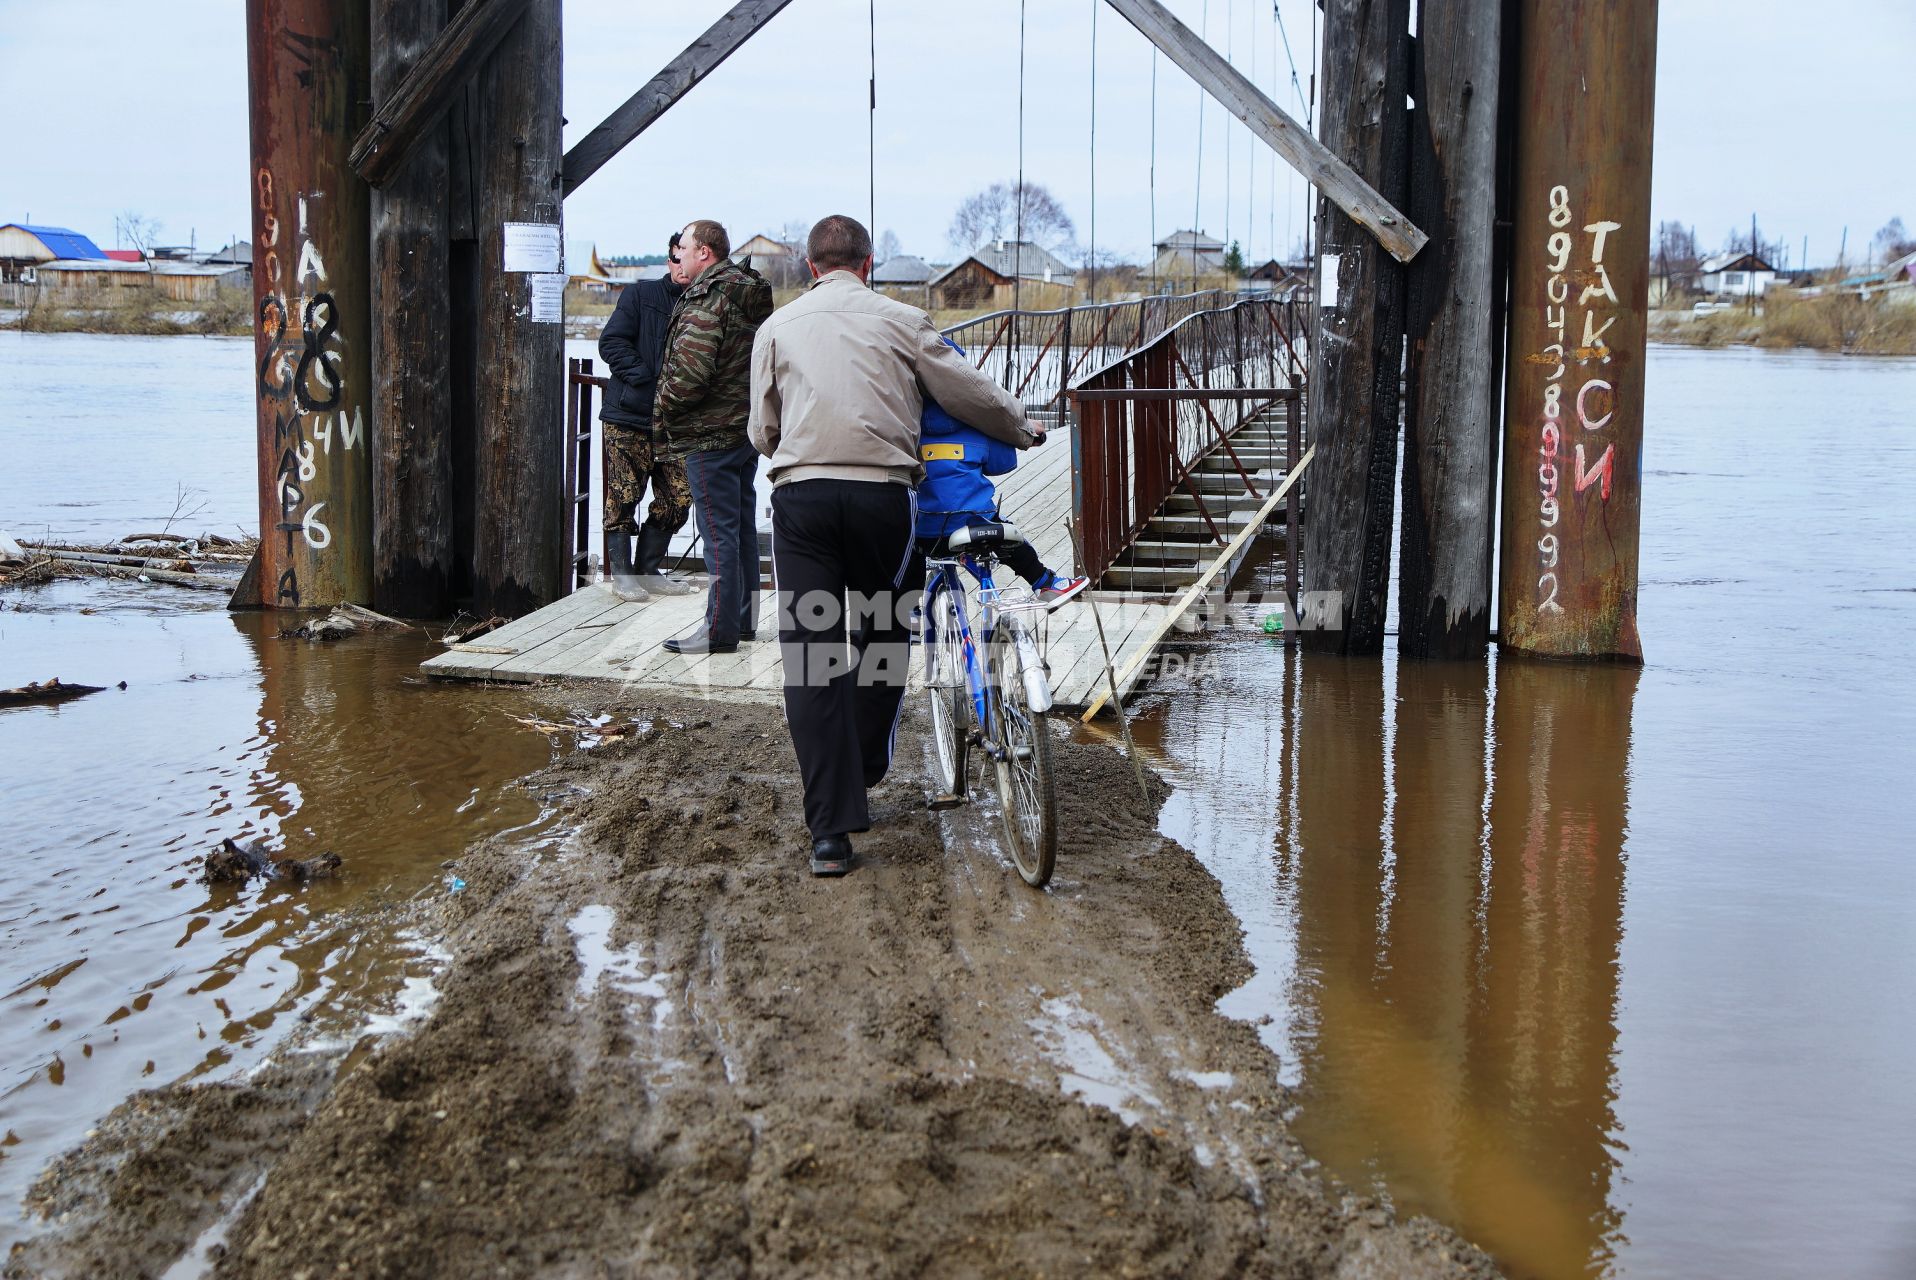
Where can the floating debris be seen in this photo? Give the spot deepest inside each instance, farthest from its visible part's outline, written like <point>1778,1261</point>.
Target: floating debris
<point>235,863</point>
<point>49,692</point>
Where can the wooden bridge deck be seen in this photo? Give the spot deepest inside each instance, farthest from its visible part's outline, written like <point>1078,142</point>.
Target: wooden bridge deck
<point>593,635</point>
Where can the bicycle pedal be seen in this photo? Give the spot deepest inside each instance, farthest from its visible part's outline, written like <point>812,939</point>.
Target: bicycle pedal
<point>945,802</point>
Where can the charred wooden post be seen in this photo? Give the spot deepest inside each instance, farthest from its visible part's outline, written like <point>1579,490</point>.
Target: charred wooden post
<point>518,561</point>
<point>308,84</point>
<point>1453,397</point>
<point>1357,357</point>
<point>1579,296</point>
<point>411,341</point>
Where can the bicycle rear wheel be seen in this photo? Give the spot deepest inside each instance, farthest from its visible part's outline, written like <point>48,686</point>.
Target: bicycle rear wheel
<point>1027,792</point>
<point>950,695</point>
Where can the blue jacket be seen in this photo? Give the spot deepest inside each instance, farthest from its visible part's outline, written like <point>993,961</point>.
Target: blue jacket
<point>957,458</point>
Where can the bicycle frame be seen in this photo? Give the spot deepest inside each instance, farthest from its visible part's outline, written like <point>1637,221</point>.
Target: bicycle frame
<point>942,574</point>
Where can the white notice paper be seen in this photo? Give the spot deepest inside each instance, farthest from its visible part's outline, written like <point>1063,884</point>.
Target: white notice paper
<point>1328,267</point>
<point>533,246</point>
<point>548,298</point>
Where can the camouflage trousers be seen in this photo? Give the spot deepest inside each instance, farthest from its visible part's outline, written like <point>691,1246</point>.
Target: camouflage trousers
<point>630,460</point>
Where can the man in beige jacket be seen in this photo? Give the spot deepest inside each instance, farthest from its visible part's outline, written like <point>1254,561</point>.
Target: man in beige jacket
<point>839,380</point>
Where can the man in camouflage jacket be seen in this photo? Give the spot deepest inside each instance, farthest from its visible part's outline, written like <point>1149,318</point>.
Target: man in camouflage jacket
<point>704,395</point>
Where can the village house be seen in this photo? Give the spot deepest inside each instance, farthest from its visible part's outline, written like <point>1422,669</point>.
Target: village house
<point>782,265</point>
<point>998,274</point>
<point>904,277</point>
<point>1187,253</point>
<point>1736,275</point>
<point>23,248</point>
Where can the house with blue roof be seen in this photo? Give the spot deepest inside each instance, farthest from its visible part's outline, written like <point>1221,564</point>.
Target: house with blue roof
<point>24,247</point>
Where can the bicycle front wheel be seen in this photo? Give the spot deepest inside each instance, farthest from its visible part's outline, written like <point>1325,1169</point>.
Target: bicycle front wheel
<point>1026,790</point>
<point>949,692</point>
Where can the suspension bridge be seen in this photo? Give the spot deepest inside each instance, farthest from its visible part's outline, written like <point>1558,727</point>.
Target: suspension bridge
<point>1479,283</point>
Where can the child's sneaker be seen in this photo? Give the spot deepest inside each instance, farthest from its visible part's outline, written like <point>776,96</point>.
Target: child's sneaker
<point>1056,590</point>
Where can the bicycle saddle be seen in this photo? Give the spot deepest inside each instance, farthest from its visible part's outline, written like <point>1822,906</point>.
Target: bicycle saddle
<point>984,535</point>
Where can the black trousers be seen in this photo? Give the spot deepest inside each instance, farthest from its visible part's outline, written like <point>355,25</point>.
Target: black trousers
<point>841,555</point>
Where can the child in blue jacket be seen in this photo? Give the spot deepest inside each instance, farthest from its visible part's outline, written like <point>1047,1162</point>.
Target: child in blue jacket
<point>955,492</point>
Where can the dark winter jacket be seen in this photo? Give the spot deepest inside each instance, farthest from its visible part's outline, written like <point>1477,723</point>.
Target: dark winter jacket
<point>705,389</point>
<point>633,346</point>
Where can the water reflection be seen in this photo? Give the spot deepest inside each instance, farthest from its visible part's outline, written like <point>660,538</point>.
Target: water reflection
<point>121,968</point>
<point>1438,926</point>
<point>1457,863</point>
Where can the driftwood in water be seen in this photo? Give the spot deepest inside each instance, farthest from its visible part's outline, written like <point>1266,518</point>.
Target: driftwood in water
<point>235,863</point>
<point>344,620</point>
<point>197,581</point>
<point>49,692</point>
<point>126,560</point>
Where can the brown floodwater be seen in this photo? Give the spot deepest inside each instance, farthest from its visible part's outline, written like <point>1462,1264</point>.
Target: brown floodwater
<point>119,969</point>
<point>1611,969</point>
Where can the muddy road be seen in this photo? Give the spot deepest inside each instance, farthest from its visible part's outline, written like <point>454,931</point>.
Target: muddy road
<point>665,1050</point>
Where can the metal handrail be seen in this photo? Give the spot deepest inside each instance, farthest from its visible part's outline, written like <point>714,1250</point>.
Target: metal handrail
<point>1143,421</point>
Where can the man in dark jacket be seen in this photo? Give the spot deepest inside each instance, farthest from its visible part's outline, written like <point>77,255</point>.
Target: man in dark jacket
<point>704,394</point>
<point>633,347</point>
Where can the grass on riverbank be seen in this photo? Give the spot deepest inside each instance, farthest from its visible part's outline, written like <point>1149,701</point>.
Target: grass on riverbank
<point>230,315</point>
<point>1841,322</point>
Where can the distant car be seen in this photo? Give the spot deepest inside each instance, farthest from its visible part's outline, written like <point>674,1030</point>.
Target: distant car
<point>1705,308</point>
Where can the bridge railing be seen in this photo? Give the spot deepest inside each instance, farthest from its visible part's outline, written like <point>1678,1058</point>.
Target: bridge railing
<point>1145,419</point>
<point>1036,354</point>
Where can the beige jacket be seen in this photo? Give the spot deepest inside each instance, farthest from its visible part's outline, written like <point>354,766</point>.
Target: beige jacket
<point>839,380</point>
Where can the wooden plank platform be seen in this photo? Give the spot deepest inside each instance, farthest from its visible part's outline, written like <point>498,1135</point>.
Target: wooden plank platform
<point>593,635</point>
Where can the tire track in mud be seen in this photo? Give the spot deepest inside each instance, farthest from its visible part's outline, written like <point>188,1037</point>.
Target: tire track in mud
<point>666,1050</point>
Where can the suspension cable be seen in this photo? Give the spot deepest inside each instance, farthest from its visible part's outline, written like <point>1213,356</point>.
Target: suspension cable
<point>1154,167</point>
<point>1197,199</point>
<point>1018,195</point>
<point>1091,254</point>
<point>871,122</point>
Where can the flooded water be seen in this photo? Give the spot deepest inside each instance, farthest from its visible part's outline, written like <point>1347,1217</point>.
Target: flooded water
<point>1609,969</point>
<point>1612,969</point>
<point>119,969</point>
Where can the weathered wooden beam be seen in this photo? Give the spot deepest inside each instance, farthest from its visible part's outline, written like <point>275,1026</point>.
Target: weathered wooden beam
<point>1453,398</point>
<point>1343,185</point>
<point>1579,311</point>
<point>308,80</point>
<point>699,60</point>
<point>420,101</point>
<point>1357,357</point>
<point>412,340</point>
<point>518,541</point>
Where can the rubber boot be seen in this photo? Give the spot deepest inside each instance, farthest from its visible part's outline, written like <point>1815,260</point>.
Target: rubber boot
<point>649,562</point>
<point>618,568</point>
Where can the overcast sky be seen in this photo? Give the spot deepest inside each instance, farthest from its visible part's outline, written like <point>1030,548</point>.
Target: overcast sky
<point>1796,112</point>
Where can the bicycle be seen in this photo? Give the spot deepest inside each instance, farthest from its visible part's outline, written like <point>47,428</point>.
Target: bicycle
<point>999,705</point>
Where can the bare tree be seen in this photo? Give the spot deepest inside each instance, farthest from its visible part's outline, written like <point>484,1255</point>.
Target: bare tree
<point>1677,257</point>
<point>995,214</point>
<point>888,246</point>
<point>1892,242</point>
<point>134,230</point>
<point>795,232</point>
